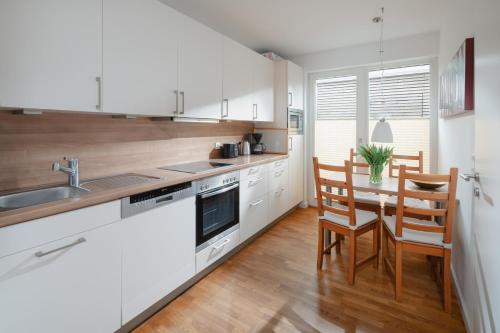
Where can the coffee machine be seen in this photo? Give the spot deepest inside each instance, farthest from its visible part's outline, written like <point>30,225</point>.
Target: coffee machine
<point>257,146</point>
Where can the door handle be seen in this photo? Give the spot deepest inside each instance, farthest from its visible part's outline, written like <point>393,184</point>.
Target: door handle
<point>468,176</point>
<point>290,98</point>
<point>221,245</point>
<point>40,254</point>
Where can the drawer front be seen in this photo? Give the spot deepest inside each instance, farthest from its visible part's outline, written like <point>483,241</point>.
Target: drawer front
<point>255,171</point>
<point>254,217</point>
<point>29,234</point>
<point>253,187</point>
<point>278,202</point>
<point>214,252</point>
<point>278,164</point>
<point>278,177</point>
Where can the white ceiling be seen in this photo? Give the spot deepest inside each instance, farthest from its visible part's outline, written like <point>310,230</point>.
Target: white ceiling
<point>293,27</point>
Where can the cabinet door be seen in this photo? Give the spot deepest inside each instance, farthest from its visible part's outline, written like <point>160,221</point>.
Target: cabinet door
<point>140,57</point>
<point>237,81</point>
<point>51,54</point>
<point>200,70</point>
<point>74,288</point>
<point>296,169</point>
<point>158,254</point>
<point>263,89</point>
<point>295,86</point>
<point>254,216</point>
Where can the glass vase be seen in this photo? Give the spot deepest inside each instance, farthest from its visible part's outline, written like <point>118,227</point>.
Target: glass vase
<point>376,173</point>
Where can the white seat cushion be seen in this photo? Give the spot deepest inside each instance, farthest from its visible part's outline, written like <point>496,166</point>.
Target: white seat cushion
<point>366,197</point>
<point>362,218</point>
<point>392,201</point>
<point>433,238</point>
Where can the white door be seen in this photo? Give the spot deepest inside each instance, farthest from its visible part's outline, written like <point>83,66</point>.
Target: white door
<point>263,88</point>
<point>296,169</point>
<point>158,254</point>
<point>237,81</point>
<point>74,288</point>
<point>295,86</point>
<point>50,54</point>
<point>486,226</point>
<point>139,57</point>
<point>200,70</point>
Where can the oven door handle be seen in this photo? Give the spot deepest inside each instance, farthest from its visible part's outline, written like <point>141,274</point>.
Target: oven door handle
<point>222,190</point>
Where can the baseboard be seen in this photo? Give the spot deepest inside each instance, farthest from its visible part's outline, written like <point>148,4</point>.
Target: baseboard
<point>461,302</point>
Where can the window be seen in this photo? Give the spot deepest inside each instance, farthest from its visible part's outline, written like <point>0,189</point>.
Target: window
<point>403,99</point>
<point>335,123</point>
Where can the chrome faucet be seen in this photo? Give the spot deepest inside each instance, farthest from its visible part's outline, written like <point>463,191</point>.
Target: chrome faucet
<point>71,170</point>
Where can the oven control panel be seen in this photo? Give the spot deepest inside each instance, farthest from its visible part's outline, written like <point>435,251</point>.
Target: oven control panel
<point>212,183</point>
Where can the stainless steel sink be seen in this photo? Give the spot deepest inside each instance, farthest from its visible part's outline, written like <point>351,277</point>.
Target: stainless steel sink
<point>36,197</point>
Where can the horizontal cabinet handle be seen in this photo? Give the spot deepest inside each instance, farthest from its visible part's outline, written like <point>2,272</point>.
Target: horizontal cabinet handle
<point>256,203</point>
<point>221,245</point>
<point>278,173</point>
<point>251,171</point>
<point>40,254</point>
<point>255,182</point>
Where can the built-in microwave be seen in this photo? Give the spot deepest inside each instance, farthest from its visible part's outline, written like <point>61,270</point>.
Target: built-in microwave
<point>295,121</point>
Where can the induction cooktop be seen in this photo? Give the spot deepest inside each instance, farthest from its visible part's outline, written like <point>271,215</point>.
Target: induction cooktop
<point>195,167</point>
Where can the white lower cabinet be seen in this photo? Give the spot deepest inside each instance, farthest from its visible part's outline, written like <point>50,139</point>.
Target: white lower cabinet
<point>217,250</point>
<point>72,284</point>
<point>254,216</point>
<point>158,254</point>
<point>278,202</point>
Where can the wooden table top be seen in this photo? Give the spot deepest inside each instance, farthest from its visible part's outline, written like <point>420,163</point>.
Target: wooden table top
<point>389,185</point>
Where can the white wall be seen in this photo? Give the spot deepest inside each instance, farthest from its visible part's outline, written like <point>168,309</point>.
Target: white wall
<point>456,148</point>
<point>423,45</point>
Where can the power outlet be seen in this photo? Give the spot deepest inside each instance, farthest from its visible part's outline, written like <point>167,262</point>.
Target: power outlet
<point>218,145</point>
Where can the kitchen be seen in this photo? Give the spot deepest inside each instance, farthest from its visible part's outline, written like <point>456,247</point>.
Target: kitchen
<point>157,172</point>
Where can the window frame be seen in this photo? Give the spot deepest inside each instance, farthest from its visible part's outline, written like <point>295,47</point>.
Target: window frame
<point>362,127</point>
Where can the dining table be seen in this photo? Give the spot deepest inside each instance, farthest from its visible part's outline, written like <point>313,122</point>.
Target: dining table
<point>388,186</point>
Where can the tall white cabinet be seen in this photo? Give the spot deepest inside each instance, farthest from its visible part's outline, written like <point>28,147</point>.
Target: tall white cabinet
<point>263,88</point>
<point>200,70</point>
<point>50,54</point>
<point>237,82</point>
<point>140,57</point>
<point>295,80</point>
<point>296,164</point>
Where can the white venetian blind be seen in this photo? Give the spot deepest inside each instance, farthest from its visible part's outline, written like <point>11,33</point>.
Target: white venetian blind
<point>336,98</point>
<point>403,94</point>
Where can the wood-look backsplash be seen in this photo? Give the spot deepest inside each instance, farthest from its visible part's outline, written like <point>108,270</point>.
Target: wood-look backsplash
<point>29,144</point>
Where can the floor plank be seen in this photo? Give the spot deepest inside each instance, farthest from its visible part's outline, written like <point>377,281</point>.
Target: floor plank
<point>272,286</point>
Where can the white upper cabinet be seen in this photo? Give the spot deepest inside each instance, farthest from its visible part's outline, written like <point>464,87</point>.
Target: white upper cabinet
<point>50,54</point>
<point>200,70</point>
<point>263,84</point>
<point>237,81</point>
<point>140,55</point>
<point>295,86</point>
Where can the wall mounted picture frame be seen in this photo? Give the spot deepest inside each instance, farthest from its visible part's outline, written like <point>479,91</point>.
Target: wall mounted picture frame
<point>456,83</point>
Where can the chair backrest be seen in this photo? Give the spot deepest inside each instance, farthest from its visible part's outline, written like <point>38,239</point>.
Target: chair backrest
<point>446,198</point>
<point>360,168</point>
<point>400,158</point>
<point>326,182</point>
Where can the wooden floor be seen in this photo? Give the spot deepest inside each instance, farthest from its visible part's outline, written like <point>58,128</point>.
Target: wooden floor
<point>272,286</point>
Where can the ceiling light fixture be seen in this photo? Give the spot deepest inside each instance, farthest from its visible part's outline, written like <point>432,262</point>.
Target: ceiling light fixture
<point>382,131</point>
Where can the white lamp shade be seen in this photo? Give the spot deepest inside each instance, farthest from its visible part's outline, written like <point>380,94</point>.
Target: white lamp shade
<point>382,132</point>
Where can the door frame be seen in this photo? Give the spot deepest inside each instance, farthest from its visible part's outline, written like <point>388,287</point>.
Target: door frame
<point>362,127</point>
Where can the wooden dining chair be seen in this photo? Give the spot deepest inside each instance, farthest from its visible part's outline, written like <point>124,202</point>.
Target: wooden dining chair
<point>364,200</point>
<point>394,169</point>
<point>337,213</point>
<point>418,235</point>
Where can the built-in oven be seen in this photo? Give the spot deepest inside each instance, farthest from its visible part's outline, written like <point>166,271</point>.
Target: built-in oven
<point>295,121</point>
<point>217,208</point>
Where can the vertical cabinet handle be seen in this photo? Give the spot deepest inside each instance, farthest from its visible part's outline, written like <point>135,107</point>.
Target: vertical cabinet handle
<point>99,92</point>
<point>290,98</point>
<point>182,98</point>
<point>176,92</point>
<point>255,111</point>
<point>290,146</point>
<point>225,105</point>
